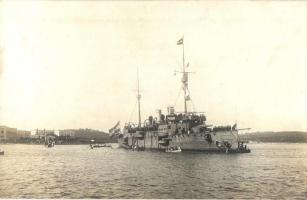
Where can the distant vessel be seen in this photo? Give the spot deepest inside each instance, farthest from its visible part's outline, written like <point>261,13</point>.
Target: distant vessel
<point>97,145</point>
<point>50,144</point>
<point>1,151</point>
<point>186,130</point>
<point>49,141</point>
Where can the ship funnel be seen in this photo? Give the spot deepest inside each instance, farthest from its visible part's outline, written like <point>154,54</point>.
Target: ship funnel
<point>160,113</point>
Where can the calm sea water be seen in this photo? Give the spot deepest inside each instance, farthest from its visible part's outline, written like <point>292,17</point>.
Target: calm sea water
<point>270,171</point>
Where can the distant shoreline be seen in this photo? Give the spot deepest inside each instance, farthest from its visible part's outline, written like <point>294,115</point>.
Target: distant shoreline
<point>57,142</point>
<point>254,137</point>
<point>276,137</point>
<point>4,143</point>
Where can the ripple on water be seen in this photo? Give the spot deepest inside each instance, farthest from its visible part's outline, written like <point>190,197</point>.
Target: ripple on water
<point>270,171</point>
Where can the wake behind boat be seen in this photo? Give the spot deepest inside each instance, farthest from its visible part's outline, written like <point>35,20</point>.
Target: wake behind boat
<point>187,129</point>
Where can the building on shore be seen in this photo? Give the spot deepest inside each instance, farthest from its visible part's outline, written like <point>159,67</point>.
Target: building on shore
<point>42,134</point>
<point>8,133</point>
<point>23,134</point>
<point>67,133</point>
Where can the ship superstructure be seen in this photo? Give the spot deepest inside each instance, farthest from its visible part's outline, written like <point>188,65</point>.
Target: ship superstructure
<point>187,130</point>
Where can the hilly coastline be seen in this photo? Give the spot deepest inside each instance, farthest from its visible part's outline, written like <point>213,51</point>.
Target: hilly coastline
<point>282,136</point>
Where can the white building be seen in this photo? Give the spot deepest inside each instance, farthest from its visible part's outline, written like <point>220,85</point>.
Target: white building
<point>7,133</point>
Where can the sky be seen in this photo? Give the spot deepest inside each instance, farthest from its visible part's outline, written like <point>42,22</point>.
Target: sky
<point>74,64</point>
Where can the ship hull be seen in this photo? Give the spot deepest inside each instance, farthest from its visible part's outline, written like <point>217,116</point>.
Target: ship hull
<point>208,150</point>
<point>187,142</point>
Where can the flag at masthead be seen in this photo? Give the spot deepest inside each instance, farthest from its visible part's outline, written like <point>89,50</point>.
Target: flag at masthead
<point>180,42</point>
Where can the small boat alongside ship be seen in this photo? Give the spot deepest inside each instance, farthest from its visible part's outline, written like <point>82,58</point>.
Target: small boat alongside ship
<point>175,149</point>
<point>186,130</point>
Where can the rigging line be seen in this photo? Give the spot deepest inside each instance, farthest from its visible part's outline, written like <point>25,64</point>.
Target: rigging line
<point>191,100</point>
<point>177,97</point>
<point>132,112</point>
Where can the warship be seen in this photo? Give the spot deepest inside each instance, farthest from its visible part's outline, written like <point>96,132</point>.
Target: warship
<point>186,130</point>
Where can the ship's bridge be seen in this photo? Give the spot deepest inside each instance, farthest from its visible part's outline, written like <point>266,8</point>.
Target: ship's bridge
<point>196,118</point>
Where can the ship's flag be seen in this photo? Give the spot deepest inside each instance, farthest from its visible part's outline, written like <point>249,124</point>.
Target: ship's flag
<point>180,42</point>
<point>234,127</point>
<point>114,127</point>
<point>115,130</point>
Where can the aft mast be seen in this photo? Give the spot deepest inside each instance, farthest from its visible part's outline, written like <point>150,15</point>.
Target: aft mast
<point>139,99</point>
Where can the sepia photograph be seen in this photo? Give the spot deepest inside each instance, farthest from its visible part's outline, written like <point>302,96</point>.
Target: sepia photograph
<point>153,99</point>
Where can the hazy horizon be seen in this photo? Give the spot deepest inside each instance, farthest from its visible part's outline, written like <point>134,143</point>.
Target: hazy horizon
<point>74,64</point>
